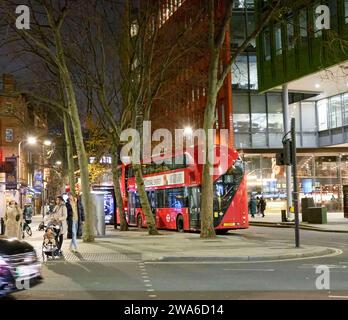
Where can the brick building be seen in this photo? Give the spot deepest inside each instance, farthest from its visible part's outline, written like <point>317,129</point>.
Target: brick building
<point>18,120</point>
<point>181,100</point>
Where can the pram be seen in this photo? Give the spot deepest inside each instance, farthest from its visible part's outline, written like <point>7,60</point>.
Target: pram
<point>50,246</point>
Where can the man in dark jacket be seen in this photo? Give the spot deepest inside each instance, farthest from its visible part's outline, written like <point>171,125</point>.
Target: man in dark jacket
<point>81,216</point>
<point>262,206</point>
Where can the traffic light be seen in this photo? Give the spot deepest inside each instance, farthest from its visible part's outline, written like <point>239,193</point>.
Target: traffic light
<point>285,157</point>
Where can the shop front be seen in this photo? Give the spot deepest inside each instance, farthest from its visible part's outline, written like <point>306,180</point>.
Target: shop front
<point>321,177</point>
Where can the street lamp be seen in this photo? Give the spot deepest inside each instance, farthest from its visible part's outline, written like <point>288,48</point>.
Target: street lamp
<point>58,163</point>
<point>47,143</point>
<point>188,131</point>
<point>30,140</point>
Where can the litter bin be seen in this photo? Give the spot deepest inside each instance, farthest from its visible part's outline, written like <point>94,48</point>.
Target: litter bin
<point>317,215</point>
<point>98,204</point>
<point>306,203</point>
<point>284,218</point>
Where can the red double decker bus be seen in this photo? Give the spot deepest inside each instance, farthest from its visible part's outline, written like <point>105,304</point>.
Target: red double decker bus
<point>174,192</point>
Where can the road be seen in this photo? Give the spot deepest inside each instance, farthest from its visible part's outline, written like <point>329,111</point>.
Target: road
<point>295,279</point>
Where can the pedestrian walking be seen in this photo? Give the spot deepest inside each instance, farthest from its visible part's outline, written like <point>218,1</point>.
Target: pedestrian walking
<point>59,217</point>
<point>27,213</point>
<point>44,209</point>
<point>262,206</point>
<point>75,219</point>
<point>252,206</point>
<point>13,221</point>
<point>258,205</point>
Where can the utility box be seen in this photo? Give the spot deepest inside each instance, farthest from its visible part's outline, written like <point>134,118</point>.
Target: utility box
<point>305,204</point>
<point>317,215</point>
<point>98,206</point>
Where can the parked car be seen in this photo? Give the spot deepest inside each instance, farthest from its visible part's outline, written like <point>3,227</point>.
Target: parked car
<point>19,266</point>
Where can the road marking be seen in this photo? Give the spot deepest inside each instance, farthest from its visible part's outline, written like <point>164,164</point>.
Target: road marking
<point>150,290</point>
<point>145,277</point>
<point>152,296</point>
<point>148,285</point>
<point>330,266</point>
<point>146,280</point>
<point>339,297</point>
<point>263,270</point>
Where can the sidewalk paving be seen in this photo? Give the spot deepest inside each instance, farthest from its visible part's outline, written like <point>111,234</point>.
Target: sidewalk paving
<point>335,222</point>
<point>137,245</point>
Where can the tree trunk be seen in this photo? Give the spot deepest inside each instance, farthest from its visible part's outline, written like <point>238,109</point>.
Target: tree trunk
<point>117,190</point>
<point>69,151</point>
<point>150,221</point>
<point>207,218</point>
<point>89,225</point>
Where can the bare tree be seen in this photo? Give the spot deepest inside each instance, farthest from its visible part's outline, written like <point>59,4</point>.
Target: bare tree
<point>46,40</point>
<point>217,35</point>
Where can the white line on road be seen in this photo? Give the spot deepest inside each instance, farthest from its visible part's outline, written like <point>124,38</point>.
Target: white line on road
<point>339,297</point>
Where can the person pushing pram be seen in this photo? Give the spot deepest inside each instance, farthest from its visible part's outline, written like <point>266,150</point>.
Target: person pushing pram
<point>56,220</point>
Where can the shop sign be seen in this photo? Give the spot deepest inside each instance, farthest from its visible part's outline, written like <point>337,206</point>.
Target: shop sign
<point>11,176</point>
<point>38,180</point>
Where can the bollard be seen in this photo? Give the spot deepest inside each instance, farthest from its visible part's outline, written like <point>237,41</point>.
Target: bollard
<point>2,226</point>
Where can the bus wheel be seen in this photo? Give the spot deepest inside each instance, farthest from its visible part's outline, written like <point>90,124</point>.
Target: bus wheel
<point>180,224</point>
<point>139,222</point>
<point>221,231</point>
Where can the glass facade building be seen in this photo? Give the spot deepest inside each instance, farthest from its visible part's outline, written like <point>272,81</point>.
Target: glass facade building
<point>258,119</point>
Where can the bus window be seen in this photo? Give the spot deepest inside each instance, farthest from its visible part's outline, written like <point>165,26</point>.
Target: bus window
<point>176,198</point>
<point>227,185</point>
<point>160,194</point>
<point>137,200</point>
<point>152,199</point>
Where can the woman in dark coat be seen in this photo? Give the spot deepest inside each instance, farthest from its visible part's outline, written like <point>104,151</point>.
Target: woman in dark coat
<point>252,207</point>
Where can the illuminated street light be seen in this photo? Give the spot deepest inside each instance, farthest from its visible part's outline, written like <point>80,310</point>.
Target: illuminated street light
<point>188,131</point>
<point>58,163</point>
<point>47,143</point>
<point>31,140</point>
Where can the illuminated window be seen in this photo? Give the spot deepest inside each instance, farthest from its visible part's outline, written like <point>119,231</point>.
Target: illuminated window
<point>267,44</point>
<point>278,39</point>
<point>303,25</point>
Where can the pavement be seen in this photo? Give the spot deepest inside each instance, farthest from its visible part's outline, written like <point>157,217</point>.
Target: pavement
<point>179,266</point>
<point>335,222</point>
<point>137,245</point>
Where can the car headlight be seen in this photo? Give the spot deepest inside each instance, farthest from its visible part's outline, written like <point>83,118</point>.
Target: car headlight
<point>2,261</point>
<point>3,266</point>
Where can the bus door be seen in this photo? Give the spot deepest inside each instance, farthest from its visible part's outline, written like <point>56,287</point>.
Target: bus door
<point>194,207</point>
<point>151,195</point>
<point>131,208</point>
